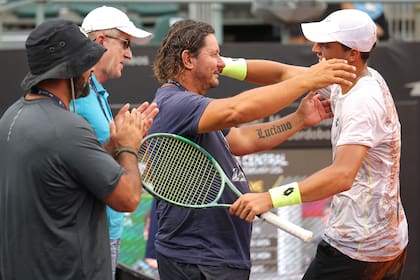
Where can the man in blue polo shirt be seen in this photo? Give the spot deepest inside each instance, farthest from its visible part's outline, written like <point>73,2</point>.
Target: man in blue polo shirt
<point>112,29</point>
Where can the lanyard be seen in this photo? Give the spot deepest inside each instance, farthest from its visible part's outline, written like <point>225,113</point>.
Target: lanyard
<point>92,84</point>
<point>181,87</point>
<point>44,92</point>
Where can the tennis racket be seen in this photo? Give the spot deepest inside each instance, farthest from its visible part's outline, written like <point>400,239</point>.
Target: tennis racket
<point>182,173</point>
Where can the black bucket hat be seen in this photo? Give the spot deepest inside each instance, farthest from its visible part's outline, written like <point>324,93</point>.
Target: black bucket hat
<point>58,49</point>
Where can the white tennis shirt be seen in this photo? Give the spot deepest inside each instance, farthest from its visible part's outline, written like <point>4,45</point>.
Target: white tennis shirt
<point>368,222</point>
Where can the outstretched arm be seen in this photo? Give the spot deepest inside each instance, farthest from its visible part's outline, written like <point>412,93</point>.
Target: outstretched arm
<point>259,71</point>
<point>336,178</point>
<point>265,72</point>
<point>259,137</point>
<point>261,102</point>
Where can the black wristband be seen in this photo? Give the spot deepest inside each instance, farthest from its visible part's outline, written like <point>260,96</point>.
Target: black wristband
<point>125,149</point>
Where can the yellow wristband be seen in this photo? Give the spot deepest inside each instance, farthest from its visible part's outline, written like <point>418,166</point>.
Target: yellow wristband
<point>285,195</point>
<point>234,67</point>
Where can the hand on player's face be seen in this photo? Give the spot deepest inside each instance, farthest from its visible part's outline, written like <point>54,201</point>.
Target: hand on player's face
<point>249,205</point>
<point>332,71</point>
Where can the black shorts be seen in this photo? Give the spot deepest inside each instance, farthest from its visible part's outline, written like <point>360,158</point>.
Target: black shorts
<point>331,264</point>
<point>172,270</point>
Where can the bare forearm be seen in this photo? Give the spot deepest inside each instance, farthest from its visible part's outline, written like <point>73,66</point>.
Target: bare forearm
<point>268,100</point>
<point>265,136</point>
<point>334,179</point>
<point>250,105</point>
<point>126,195</point>
<point>337,177</point>
<point>265,72</point>
<point>264,101</point>
<point>324,183</point>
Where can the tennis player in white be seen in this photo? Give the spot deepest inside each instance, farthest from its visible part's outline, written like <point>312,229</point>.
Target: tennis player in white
<point>367,233</point>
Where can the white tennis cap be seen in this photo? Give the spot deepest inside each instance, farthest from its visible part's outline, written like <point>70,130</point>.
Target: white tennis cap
<point>350,27</point>
<point>109,17</point>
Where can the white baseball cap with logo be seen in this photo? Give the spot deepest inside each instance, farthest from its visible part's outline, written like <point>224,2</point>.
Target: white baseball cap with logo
<point>106,17</point>
<point>350,27</point>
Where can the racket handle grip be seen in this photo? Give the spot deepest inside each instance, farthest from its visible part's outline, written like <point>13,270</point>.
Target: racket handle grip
<point>287,226</point>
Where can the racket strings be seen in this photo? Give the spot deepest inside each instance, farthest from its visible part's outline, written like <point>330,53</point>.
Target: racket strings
<point>178,172</point>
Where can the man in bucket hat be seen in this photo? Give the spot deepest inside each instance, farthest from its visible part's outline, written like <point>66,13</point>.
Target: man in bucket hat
<point>111,28</point>
<point>55,178</point>
<point>366,235</point>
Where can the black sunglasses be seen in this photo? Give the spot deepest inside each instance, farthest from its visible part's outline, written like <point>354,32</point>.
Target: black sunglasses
<point>126,43</point>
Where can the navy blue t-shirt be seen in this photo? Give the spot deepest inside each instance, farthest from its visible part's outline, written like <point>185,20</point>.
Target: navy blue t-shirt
<point>200,236</point>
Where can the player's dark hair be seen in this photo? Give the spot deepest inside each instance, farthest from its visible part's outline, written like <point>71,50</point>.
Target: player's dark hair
<point>363,55</point>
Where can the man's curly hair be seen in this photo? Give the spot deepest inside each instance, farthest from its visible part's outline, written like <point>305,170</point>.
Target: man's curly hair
<point>183,35</point>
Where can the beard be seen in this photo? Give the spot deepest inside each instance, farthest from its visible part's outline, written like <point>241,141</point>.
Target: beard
<point>81,87</point>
